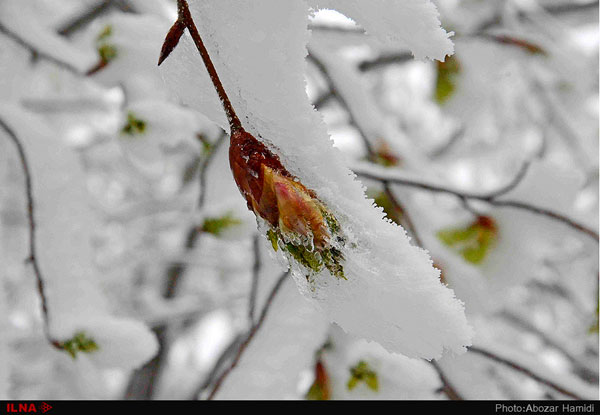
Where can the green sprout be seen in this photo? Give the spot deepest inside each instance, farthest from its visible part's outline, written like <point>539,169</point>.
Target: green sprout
<point>134,125</point>
<point>79,343</point>
<point>106,50</point>
<point>217,225</point>
<point>473,241</point>
<point>363,373</point>
<point>447,75</point>
<point>311,258</point>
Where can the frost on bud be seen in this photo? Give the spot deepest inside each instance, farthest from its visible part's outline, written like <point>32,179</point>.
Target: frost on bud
<point>363,373</point>
<point>79,343</point>
<point>474,241</point>
<point>299,223</point>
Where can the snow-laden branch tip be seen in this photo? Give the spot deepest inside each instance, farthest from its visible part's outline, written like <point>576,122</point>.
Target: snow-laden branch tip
<point>391,292</point>
<point>410,24</point>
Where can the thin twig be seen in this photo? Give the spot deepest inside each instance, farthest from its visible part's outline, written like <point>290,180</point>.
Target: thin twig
<point>213,150</point>
<point>488,198</point>
<point>334,93</point>
<point>454,138</point>
<point>37,52</point>
<point>90,14</point>
<point>255,278</point>
<point>185,20</point>
<point>32,258</point>
<point>253,330</point>
<point>226,354</point>
<point>142,383</point>
<point>525,371</point>
<point>447,387</point>
<point>585,372</point>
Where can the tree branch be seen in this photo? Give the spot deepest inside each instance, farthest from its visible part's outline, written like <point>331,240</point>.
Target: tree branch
<point>525,371</point>
<point>32,257</point>
<point>36,52</point>
<point>185,20</point>
<point>447,387</point>
<point>252,332</point>
<point>89,15</point>
<point>487,198</point>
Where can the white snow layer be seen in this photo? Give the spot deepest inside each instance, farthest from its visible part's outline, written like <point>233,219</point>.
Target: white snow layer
<point>393,294</point>
<point>65,225</point>
<point>412,24</point>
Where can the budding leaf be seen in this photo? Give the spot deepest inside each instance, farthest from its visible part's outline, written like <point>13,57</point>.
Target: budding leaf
<point>363,373</point>
<point>474,241</point>
<point>218,225</point>
<point>133,125</point>
<point>383,155</point>
<point>171,40</point>
<point>106,50</point>
<point>447,75</point>
<point>79,343</point>
<point>320,390</point>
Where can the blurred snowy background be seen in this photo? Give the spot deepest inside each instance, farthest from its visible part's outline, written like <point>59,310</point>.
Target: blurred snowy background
<point>488,159</point>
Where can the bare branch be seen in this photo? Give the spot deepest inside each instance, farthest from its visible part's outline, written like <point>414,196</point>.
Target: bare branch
<point>32,258</point>
<point>89,15</point>
<point>37,53</point>
<point>509,363</point>
<point>447,387</point>
<point>252,332</point>
<point>255,278</point>
<point>488,198</point>
<point>185,19</point>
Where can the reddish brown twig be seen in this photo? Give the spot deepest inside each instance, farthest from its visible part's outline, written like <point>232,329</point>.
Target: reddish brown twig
<point>185,20</point>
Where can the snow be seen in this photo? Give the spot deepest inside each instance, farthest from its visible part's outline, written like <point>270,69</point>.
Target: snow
<point>283,347</point>
<point>412,24</point>
<point>398,377</point>
<point>23,18</point>
<point>393,294</point>
<point>65,223</point>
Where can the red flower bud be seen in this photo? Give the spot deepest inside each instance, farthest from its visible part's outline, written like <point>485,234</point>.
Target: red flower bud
<point>272,193</point>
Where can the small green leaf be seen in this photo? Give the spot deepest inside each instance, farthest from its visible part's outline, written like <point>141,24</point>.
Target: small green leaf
<point>452,237</point>
<point>352,382</point>
<point>133,125</point>
<point>310,257</point>
<point>105,33</point>
<point>79,343</point>
<point>475,254</point>
<point>106,50</point>
<point>272,236</point>
<point>472,242</point>
<point>217,225</point>
<point>363,373</point>
<point>447,75</point>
